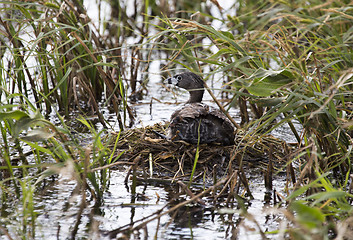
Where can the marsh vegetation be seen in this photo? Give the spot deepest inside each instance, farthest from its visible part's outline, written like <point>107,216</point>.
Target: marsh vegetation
<point>71,140</point>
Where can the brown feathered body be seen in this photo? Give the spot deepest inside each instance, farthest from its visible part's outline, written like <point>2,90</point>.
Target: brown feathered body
<point>197,122</point>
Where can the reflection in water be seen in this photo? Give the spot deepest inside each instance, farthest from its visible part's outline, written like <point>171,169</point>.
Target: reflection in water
<point>191,221</point>
<point>123,206</point>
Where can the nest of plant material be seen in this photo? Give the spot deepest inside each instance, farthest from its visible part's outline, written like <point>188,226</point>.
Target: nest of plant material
<point>144,148</point>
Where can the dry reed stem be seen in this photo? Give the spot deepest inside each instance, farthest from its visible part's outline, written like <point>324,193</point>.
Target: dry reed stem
<point>188,192</point>
<point>111,165</point>
<point>221,107</point>
<point>226,185</point>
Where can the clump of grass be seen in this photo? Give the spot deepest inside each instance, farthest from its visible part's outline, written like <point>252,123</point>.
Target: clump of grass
<point>61,58</point>
<point>54,150</point>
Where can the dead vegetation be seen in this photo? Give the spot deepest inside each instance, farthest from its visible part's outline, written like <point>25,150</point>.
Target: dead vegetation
<point>174,160</point>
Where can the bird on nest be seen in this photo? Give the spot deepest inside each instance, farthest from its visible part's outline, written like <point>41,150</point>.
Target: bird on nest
<point>197,122</point>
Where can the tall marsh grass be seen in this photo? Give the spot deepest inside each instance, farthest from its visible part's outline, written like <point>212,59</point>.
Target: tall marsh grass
<point>294,64</point>
<point>53,64</point>
<point>285,63</point>
<point>55,56</point>
<point>281,63</point>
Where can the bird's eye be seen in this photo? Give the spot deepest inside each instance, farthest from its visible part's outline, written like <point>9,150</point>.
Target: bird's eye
<point>178,78</point>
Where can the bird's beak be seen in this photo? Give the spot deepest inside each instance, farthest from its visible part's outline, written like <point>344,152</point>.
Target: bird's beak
<point>172,80</point>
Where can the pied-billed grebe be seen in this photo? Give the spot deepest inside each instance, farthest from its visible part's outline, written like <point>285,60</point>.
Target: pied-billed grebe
<point>195,119</point>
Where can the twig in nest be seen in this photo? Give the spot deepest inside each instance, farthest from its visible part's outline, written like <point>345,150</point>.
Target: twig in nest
<point>180,164</point>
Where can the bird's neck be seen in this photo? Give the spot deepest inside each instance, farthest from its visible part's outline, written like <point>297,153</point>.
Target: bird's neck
<point>195,96</point>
